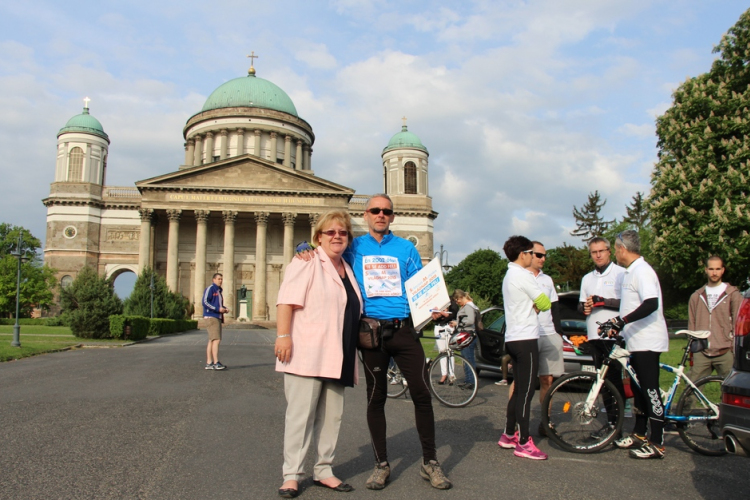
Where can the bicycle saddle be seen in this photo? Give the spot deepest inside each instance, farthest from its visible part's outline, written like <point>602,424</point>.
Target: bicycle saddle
<point>698,334</point>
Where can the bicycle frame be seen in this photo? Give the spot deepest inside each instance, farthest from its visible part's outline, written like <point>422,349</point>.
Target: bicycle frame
<point>622,356</point>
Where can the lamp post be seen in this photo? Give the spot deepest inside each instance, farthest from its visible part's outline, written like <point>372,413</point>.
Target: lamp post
<point>443,262</point>
<point>152,294</point>
<point>17,327</point>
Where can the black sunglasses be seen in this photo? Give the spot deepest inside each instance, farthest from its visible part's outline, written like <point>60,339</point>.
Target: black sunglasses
<point>540,255</point>
<point>376,211</point>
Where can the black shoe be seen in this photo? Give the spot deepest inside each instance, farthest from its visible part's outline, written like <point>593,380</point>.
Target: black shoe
<point>466,387</point>
<point>342,487</point>
<point>288,492</point>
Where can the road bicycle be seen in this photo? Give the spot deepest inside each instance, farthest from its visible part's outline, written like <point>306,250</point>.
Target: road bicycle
<point>455,392</point>
<point>574,411</point>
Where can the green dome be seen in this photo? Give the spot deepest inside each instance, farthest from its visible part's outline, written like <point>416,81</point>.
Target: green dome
<point>84,123</point>
<point>404,139</point>
<point>252,92</point>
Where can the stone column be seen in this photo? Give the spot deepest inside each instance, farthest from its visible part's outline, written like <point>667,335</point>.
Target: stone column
<point>272,153</point>
<point>144,249</point>
<point>287,151</point>
<point>172,248</point>
<point>209,147</point>
<point>288,218</point>
<point>308,159</point>
<point>229,218</point>
<point>201,218</point>
<point>298,156</point>
<point>198,157</point>
<point>313,221</point>
<point>189,152</point>
<point>256,144</point>
<point>259,293</point>
<point>223,143</point>
<point>240,141</point>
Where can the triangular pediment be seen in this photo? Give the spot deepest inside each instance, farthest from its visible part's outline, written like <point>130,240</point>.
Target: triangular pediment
<point>244,173</point>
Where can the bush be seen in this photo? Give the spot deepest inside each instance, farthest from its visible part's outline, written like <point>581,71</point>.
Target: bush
<point>88,303</point>
<point>140,327</point>
<point>25,321</point>
<point>55,321</point>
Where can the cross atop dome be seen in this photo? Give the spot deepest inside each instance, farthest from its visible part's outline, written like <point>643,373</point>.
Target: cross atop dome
<point>252,56</point>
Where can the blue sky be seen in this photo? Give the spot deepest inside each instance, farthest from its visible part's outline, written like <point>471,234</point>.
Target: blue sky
<point>524,106</point>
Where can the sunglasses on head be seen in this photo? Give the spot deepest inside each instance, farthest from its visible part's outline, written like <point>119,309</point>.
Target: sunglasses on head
<point>332,232</point>
<point>540,255</point>
<point>527,251</point>
<point>376,211</point>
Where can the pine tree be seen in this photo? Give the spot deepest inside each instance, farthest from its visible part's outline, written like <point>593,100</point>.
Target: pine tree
<point>166,303</point>
<point>590,223</point>
<point>699,199</point>
<point>88,303</point>
<point>637,212</point>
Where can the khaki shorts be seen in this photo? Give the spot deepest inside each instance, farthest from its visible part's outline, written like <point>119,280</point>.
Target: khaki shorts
<point>551,360</point>
<point>214,328</point>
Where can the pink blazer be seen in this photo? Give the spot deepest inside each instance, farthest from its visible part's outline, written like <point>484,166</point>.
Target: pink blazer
<point>317,326</point>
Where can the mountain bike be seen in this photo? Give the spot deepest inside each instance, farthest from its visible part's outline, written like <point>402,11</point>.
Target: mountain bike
<point>574,411</point>
<point>455,392</point>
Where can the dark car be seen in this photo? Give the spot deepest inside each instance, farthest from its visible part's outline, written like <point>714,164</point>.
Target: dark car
<point>491,346</point>
<point>734,414</point>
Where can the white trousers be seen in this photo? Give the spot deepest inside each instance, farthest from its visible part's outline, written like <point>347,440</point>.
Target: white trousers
<point>313,410</point>
<point>444,332</point>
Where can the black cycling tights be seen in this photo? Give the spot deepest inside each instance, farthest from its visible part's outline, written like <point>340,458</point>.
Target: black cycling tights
<point>648,399</point>
<point>408,354</point>
<point>524,355</point>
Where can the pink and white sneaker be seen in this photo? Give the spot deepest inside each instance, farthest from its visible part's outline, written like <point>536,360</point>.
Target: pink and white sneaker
<point>508,442</point>
<point>529,450</point>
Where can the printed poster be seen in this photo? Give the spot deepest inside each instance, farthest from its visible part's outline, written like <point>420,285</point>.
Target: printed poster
<point>382,276</point>
<point>426,291</point>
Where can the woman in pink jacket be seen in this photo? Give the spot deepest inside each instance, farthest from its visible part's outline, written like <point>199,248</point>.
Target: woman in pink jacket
<point>317,316</point>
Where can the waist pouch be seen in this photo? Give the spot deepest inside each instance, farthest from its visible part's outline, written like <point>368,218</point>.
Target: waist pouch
<point>369,333</point>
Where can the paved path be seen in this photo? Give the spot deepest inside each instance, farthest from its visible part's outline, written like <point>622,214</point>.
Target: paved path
<point>146,421</point>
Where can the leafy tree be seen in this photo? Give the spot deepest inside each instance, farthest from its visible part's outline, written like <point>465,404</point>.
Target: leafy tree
<point>481,273</point>
<point>699,199</point>
<point>637,212</point>
<point>588,219</point>
<point>37,287</point>
<point>9,241</point>
<point>166,303</point>
<point>567,266</point>
<point>37,281</point>
<point>88,303</point>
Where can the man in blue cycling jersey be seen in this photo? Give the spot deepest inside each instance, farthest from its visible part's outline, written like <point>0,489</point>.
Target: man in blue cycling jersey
<point>382,262</point>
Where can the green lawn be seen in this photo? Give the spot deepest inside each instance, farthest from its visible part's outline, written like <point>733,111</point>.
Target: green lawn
<point>41,339</point>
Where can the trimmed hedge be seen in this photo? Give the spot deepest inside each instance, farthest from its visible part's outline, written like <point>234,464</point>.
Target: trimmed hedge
<point>24,321</point>
<point>141,327</point>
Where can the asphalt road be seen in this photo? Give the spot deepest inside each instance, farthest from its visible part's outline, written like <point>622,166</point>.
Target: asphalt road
<point>147,421</point>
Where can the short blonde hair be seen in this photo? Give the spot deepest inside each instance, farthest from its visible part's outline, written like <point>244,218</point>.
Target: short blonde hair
<point>340,216</point>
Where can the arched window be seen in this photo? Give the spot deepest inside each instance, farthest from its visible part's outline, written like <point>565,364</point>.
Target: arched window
<point>75,165</point>
<point>410,178</point>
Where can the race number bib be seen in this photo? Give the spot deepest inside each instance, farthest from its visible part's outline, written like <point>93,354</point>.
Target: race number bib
<point>382,276</point>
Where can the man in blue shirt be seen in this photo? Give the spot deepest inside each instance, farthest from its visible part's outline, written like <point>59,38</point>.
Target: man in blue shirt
<point>382,262</point>
<point>213,313</point>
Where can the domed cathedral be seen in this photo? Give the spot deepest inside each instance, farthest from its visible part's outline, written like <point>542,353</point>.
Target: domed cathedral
<point>245,195</point>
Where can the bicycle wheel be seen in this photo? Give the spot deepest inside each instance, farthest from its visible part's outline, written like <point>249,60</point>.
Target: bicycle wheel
<point>703,436</point>
<point>573,424</point>
<point>455,392</point>
<point>396,382</point>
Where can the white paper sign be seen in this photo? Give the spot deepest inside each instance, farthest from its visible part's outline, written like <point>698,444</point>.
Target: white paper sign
<point>426,292</point>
